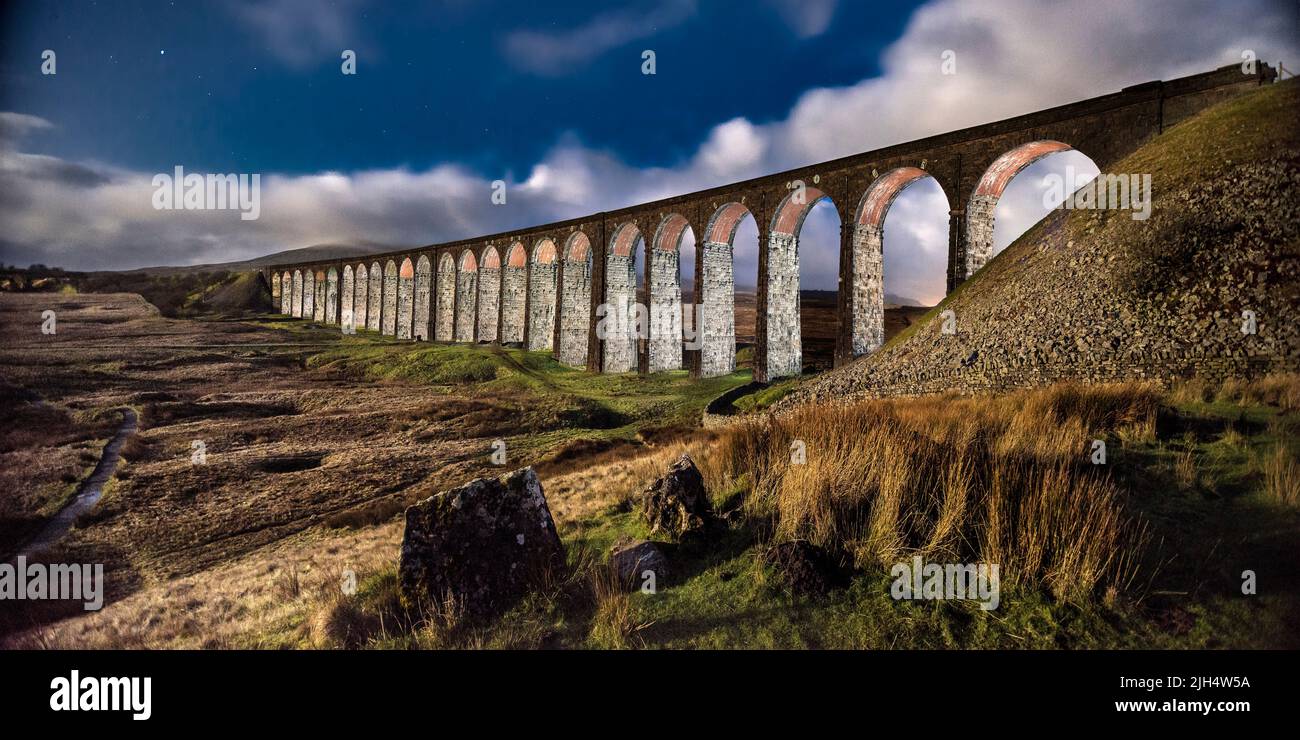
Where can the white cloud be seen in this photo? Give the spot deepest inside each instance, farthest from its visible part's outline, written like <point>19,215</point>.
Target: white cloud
<point>15,126</point>
<point>734,150</point>
<point>916,243</point>
<point>807,18</point>
<point>552,53</point>
<point>1012,57</point>
<point>1021,205</point>
<point>300,32</point>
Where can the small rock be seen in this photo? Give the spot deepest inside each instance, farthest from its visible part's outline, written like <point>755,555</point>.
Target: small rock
<point>632,560</point>
<point>677,503</point>
<point>469,543</point>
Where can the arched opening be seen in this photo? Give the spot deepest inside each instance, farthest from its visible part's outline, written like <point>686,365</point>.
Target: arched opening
<point>489,294</point>
<point>318,312</point>
<point>726,313</point>
<point>620,322</point>
<point>375,293</point>
<point>388,315</point>
<point>466,293</point>
<point>359,307</point>
<point>423,292</point>
<point>575,303</point>
<point>983,209</point>
<point>897,272</point>
<point>818,246</point>
<point>514,294</point>
<point>686,253</point>
<point>405,298</point>
<point>445,300</point>
<point>332,296</point>
<point>297,293</point>
<point>308,295</point>
<point>286,294</point>
<point>785,285</point>
<point>541,304</point>
<point>275,289</point>
<point>1036,191</point>
<point>347,316</point>
<point>665,280</point>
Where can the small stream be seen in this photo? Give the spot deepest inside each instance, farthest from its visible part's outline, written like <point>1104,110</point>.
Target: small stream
<point>90,490</point>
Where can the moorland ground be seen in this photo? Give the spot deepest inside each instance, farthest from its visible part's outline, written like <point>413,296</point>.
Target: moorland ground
<point>299,427</point>
<point>314,442</point>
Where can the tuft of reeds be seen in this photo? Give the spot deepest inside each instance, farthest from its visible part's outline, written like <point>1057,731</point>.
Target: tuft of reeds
<point>1005,479</point>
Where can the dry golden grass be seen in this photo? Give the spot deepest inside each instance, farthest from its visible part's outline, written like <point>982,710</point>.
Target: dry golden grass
<point>614,624</point>
<point>1185,468</point>
<point>1003,479</point>
<point>1282,477</point>
<point>278,596</point>
<point>617,479</point>
<point>1281,390</point>
<point>1233,438</point>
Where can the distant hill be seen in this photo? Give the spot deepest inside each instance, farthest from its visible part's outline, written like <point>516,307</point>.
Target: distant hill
<point>898,300</point>
<point>301,254</point>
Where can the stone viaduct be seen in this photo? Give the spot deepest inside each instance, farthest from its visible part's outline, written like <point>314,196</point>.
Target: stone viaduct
<point>568,287</point>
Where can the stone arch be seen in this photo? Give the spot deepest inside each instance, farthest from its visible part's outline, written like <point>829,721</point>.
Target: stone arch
<point>784,355</point>
<point>866,305</point>
<point>405,298</point>
<point>286,294</point>
<point>575,303</point>
<point>514,294</point>
<point>375,297</point>
<point>717,290</point>
<point>466,294</point>
<point>318,310</point>
<point>360,297</point>
<point>332,296</point>
<point>663,275</point>
<point>347,316</point>
<point>388,315</point>
<point>622,319</point>
<point>423,292</point>
<point>983,201</point>
<point>308,295</point>
<point>542,279</point>
<point>444,319</point>
<point>489,293</point>
<point>275,289</point>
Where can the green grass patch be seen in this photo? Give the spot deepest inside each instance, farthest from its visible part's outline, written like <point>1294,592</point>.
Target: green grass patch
<point>766,397</point>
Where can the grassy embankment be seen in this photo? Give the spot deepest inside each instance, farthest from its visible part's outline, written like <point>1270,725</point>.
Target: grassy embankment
<point>563,405</point>
<point>1147,550</point>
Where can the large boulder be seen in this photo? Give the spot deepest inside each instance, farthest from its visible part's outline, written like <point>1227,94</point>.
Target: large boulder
<point>485,544</point>
<point>677,504</point>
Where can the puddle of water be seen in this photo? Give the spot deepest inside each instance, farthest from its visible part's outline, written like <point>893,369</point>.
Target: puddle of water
<point>90,491</point>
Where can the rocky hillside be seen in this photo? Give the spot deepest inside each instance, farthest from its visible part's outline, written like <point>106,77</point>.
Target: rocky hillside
<point>1098,296</point>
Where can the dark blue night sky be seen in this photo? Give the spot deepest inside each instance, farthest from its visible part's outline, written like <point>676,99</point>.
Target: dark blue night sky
<point>204,83</point>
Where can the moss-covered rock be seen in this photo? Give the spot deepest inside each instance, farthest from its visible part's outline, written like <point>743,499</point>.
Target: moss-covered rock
<point>479,547</point>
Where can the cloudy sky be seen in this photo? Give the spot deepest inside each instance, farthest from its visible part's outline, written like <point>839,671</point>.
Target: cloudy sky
<point>549,98</point>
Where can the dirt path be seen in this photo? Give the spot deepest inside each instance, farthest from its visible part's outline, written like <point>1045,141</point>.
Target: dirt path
<point>90,491</point>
